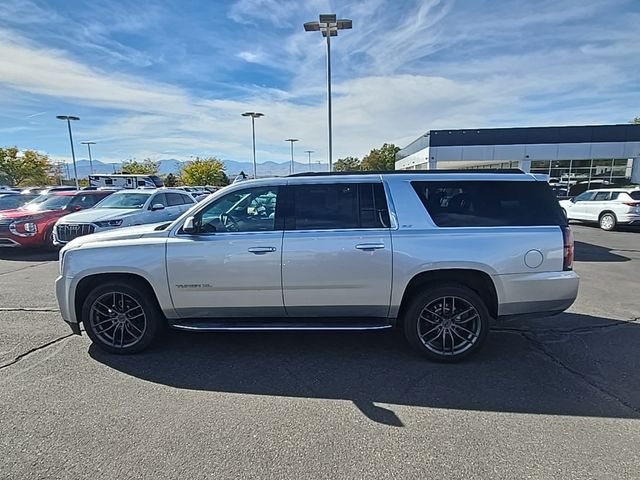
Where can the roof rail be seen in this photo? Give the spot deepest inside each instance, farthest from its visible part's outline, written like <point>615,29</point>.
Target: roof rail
<point>408,172</point>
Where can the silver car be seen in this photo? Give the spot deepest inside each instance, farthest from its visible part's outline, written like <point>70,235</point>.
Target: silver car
<point>439,255</point>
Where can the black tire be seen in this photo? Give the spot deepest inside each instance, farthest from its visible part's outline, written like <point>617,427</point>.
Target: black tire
<point>608,221</point>
<point>130,333</point>
<point>427,312</point>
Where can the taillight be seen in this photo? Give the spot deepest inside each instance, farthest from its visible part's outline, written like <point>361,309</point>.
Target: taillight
<point>567,236</point>
<point>632,204</point>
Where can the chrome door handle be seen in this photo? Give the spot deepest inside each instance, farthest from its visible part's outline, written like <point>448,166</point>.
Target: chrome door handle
<point>370,246</point>
<point>261,250</point>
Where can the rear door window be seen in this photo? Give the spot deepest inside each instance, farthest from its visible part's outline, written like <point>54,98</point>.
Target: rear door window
<point>489,203</point>
<point>601,196</point>
<point>174,199</point>
<point>338,206</point>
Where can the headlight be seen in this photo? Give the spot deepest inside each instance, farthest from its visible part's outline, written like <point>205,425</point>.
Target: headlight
<point>109,223</point>
<point>27,229</point>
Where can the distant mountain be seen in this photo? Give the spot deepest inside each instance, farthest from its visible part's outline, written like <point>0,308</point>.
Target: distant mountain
<point>171,165</point>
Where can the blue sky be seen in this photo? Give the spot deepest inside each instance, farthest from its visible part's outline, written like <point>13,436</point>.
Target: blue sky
<point>169,79</point>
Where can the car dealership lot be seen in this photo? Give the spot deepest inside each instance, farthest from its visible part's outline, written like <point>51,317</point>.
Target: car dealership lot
<point>556,397</point>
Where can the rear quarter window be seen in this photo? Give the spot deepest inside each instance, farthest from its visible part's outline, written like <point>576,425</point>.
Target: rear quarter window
<point>489,203</point>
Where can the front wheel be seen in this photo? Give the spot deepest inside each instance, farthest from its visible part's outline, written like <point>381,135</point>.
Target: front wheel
<point>447,323</point>
<point>122,317</point>
<point>608,221</point>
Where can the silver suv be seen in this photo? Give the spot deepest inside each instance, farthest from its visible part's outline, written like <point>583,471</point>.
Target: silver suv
<point>438,254</point>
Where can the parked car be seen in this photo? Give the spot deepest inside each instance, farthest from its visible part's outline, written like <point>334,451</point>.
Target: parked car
<point>124,208</point>
<point>14,200</point>
<point>439,255</point>
<point>608,207</point>
<point>32,224</point>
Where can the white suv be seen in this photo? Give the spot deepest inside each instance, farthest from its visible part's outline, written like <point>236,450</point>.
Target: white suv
<point>608,207</point>
<point>437,254</point>
<point>124,208</point>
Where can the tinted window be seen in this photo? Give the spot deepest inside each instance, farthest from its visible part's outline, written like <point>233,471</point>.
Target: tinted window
<point>635,195</point>
<point>614,195</point>
<point>339,206</point>
<point>174,199</point>
<point>584,197</point>
<point>186,199</point>
<point>499,203</point>
<point>159,198</point>
<point>601,196</point>
<point>85,201</point>
<point>248,210</point>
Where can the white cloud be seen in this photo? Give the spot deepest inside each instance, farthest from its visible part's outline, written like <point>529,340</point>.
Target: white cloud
<point>397,75</point>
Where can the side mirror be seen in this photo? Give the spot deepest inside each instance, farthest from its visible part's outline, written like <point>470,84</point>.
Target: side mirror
<point>189,226</point>
<point>157,206</point>
<point>573,200</point>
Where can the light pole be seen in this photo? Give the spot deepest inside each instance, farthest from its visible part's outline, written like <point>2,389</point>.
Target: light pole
<point>88,144</point>
<point>253,116</point>
<point>291,140</point>
<point>309,152</point>
<point>68,119</point>
<point>329,26</point>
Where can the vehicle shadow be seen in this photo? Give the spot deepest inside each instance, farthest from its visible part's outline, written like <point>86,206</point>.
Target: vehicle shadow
<point>28,255</point>
<point>511,374</point>
<point>588,252</point>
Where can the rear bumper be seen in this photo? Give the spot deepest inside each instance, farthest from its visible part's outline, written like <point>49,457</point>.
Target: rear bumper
<point>629,219</point>
<point>537,293</point>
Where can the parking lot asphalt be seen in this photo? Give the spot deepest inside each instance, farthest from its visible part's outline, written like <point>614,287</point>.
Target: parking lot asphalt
<point>547,398</point>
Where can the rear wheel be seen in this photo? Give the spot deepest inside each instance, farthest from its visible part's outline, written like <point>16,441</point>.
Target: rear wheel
<point>122,317</point>
<point>447,323</point>
<point>608,221</point>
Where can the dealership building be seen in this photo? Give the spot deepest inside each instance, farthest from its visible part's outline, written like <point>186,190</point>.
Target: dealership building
<point>592,155</point>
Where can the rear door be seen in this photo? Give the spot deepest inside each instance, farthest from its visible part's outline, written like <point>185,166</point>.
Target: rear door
<point>336,254</point>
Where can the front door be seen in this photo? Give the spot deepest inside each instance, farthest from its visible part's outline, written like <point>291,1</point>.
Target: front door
<point>578,211</point>
<point>232,266</point>
<point>336,255</point>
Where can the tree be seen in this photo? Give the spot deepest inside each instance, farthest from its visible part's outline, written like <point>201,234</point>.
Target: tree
<point>24,168</point>
<point>145,167</point>
<point>204,171</point>
<point>383,158</point>
<point>347,164</point>
<point>636,121</point>
<point>171,180</point>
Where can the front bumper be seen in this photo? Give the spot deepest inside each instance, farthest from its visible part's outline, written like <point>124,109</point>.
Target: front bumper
<point>64,296</point>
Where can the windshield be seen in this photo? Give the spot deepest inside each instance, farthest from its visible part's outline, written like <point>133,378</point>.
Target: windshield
<point>124,200</point>
<point>49,202</point>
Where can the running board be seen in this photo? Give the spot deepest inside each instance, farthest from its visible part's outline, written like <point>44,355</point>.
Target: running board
<point>278,325</point>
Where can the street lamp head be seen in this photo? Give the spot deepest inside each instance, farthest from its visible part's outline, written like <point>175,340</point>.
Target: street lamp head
<point>309,151</point>
<point>67,117</point>
<point>253,114</point>
<point>292,140</point>
<point>327,18</point>
<point>88,143</point>
<point>311,27</point>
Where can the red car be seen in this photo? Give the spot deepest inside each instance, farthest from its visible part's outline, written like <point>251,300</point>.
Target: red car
<point>32,225</point>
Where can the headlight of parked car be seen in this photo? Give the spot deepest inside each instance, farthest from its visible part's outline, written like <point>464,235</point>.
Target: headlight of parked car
<point>26,229</point>
<point>110,223</point>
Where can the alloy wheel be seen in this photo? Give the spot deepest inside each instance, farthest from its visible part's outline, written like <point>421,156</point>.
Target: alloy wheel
<point>449,325</point>
<point>118,319</point>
